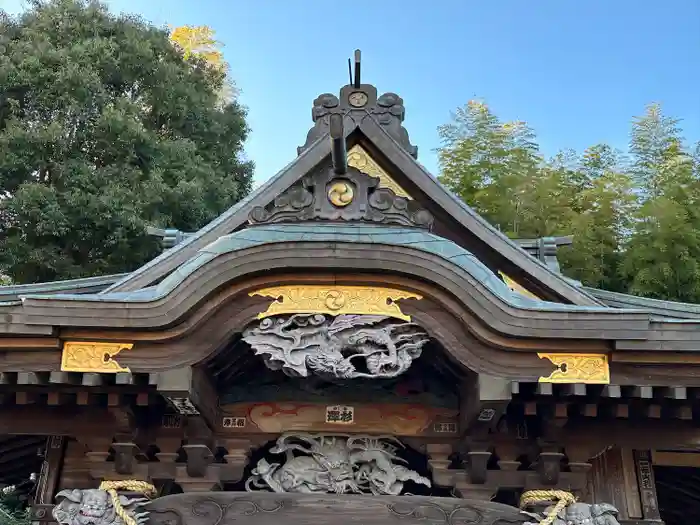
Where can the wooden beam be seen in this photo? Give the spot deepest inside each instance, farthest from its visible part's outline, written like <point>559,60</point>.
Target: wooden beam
<point>191,392</point>
<point>675,459</point>
<point>54,421</point>
<point>30,343</point>
<point>646,434</point>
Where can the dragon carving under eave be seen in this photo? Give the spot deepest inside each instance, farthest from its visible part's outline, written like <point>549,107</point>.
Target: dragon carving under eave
<point>334,464</point>
<point>332,347</point>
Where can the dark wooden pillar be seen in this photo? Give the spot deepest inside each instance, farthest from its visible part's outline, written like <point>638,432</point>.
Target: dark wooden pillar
<point>49,477</point>
<point>647,485</point>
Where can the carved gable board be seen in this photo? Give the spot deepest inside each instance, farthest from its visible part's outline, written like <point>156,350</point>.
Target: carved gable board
<point>378,143</point>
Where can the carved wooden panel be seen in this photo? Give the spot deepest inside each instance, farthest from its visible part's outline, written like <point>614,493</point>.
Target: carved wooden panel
<point>389,418</point>
<point>302,509</point>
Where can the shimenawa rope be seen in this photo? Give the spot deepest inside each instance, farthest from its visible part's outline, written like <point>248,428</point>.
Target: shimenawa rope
<point>132,485</point>
<point>562,497</point>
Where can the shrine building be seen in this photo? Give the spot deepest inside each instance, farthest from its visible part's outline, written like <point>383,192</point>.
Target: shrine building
<point>351,342</point>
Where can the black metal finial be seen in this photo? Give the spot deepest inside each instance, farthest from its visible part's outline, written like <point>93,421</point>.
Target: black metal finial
<point>338,147</point>
<point>350,70</point>
<point>358,56</point>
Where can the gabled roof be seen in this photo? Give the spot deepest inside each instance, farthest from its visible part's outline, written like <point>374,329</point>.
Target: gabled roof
<point>377,127</point>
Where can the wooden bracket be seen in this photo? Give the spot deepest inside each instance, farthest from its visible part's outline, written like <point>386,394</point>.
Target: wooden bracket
<point>190,392</point>
<point>484,400</point>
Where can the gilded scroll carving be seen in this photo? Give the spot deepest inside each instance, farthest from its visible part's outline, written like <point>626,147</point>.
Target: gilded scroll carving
<point>335,300</point>
<point>334,347</point>
<point>589,369</point>
<point>334,464</point>
<point>93,357</point>
<point>360,159</point>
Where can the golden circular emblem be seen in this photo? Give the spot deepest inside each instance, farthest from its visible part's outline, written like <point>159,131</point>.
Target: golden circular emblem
<point>335,300</point>
<point>340,194</point>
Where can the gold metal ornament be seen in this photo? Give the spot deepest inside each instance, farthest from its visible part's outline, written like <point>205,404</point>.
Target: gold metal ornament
<point>79,356</point>
<point>335,300</point>
<point>340,194</point>
<point>359,159</point>
<point>358,99</point>
<point>591,369</point>
<point>517,287</point>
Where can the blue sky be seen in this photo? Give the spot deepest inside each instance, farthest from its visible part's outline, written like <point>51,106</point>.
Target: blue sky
<point>575,70</point>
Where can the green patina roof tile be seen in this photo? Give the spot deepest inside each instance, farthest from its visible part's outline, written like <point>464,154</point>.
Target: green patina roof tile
<point>336,233</point>
<point>445,249</point>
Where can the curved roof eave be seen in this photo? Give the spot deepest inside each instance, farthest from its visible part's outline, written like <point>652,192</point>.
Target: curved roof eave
<point>330,247</point>
<point>85,285</point>
<point>668,310</point>
<point>327,232</point>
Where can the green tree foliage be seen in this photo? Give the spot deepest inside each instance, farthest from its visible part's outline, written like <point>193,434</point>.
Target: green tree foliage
<point>662,259</point>
<point>487,162</point>
<point>599,230</point>
<point>635,219</point>
<point>13,511</point>
<point>106,128</point>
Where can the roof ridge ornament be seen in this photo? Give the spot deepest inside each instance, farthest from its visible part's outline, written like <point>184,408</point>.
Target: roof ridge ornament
<point>358,101</point>
<point>341,193</point>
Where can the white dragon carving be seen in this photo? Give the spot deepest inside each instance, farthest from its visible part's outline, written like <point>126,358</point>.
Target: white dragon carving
<point>329,347</point>
<point>334,464</point>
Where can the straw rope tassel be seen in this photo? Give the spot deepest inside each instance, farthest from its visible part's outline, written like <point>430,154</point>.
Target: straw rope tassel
<point>131,485</point>
<point>562,497</point>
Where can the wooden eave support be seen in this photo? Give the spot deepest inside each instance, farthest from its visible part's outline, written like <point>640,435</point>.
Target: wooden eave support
<point>484,399</point>
<point>614,401</point>
<point>191,392</point>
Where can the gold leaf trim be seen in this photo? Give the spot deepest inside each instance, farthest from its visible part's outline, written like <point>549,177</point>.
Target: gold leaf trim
<point>358,158</point>
<point>93,357</point>
<point>591,369</point>
<point>335,300</point>
<point>517,287</point>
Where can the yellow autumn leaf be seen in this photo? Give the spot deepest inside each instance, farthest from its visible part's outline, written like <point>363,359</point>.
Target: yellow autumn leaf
<point>198,41</point>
